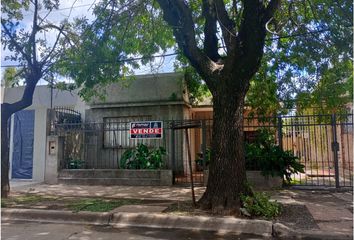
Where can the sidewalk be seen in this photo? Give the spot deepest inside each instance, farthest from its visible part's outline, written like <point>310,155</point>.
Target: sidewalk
<point>331,212</point>
<point>131,192</point>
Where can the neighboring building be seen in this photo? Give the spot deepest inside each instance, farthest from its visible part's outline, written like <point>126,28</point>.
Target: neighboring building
<point>149,97</point>
<point>29,128</point>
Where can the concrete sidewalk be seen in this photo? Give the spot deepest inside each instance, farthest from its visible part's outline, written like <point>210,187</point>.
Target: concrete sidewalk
<point>331,211</point>
<point>132,192</point>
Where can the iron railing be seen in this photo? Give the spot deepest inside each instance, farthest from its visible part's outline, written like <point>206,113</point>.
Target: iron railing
<point>323,144</point>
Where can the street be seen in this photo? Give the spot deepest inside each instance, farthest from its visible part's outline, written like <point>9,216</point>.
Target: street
<point>11,230</point>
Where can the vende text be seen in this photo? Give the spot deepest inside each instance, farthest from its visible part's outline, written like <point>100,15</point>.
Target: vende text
<point>146,131</point>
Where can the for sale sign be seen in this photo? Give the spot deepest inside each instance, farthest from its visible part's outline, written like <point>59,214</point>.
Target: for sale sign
<point>150,129</point>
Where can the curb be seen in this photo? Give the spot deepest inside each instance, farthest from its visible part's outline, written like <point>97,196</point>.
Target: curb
<point>55,216</point>
<point>262,228</point>
<point>281,231</point>
<point>256,227</point>
<point>227,224</point>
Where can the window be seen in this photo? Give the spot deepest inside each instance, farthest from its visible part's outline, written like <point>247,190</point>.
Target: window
<point>116,131</point>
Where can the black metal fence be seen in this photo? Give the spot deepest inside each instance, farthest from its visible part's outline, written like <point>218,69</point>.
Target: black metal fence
<point>323,143</point>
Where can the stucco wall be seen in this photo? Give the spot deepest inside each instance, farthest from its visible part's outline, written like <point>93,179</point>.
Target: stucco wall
<point>167,87</point>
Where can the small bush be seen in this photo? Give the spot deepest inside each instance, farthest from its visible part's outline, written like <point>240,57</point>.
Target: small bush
<point>264,155</point>
<point>75,163</point>
<point>260,205</point>
<point>142,158</point>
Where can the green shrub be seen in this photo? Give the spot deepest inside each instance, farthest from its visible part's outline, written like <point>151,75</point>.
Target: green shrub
<point>75,164</point>
<point>199,160</point>
<point>266,156</point>
<point>260,205</point>
<point>142,158</point>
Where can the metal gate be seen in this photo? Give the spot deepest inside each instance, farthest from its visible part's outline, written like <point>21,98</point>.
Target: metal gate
<point>324,144</point>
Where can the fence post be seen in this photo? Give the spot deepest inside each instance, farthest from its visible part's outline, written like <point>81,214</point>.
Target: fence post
<point>280,132</point>
<point>335,148</point>
<point>204,144</point>
<point>173,151</point>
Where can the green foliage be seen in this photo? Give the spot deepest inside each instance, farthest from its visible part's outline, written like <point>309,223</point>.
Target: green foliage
<point>120,31</point>
<point>260,205</point>
<point>199,160</point>
<point>143,158</point>
<point>75,164</point>
<point>266,156</point>
<point>197,88</point>
<point>10,77</point>
<point>311,47</point>
<point>332,93</point>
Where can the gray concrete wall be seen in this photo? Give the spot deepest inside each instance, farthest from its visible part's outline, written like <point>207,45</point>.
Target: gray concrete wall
<point>147,89</point>
<point>156,112</point>
<point>53,158</point>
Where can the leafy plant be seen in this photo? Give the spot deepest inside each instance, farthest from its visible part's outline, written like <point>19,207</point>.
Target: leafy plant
<point>75,163</point>
<point>199,160</point>
<point>260,205</point>
<point>266,156</point>
<point>142,158</point>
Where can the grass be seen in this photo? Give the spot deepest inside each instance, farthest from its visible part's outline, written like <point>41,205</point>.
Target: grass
<point>64,203</point>
<point>100,205</point>
<point>25,199</point>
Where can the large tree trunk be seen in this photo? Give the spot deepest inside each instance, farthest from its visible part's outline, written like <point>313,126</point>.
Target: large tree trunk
<point>227,172</point>
<point>5,186</point>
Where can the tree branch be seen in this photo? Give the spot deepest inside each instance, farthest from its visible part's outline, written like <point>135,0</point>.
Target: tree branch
<point>26,100</point>
<point>15,43</point>
<point>226,24</point>
<point>210,30</point>
<point>32,38</point>
<point>179,17</point>
<point>272,6</point>
<point>43,62</point>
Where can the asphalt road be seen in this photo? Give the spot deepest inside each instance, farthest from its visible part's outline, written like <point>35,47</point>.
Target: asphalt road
<point>39,231</point>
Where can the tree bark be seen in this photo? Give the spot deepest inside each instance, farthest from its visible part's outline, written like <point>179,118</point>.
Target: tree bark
<point>227,171</point>
<point>5,185</point>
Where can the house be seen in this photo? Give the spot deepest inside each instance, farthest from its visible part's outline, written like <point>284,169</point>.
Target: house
<point>29,129</point>
<point>106,123</point>
<point>149,97</point>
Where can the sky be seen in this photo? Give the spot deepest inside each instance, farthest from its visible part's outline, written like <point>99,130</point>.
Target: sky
<point>71,9</point>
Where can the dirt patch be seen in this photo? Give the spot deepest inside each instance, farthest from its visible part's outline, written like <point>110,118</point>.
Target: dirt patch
<point>296,216</point>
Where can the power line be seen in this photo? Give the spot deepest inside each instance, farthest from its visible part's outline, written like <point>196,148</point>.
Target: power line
<point>176,53</point>
<point>63,9</point>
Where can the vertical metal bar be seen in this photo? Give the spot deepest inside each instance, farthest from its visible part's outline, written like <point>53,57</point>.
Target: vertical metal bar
<point>280,131</point>
<point>173,151</point>
<point>190,167</point>
<point>204,144</point>
<point>316,148</point>
<point>335,148</point>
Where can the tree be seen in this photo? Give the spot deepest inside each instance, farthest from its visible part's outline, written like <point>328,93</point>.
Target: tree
<point>33,52</point>
<point>226,44</point>
<point>10,77</point>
